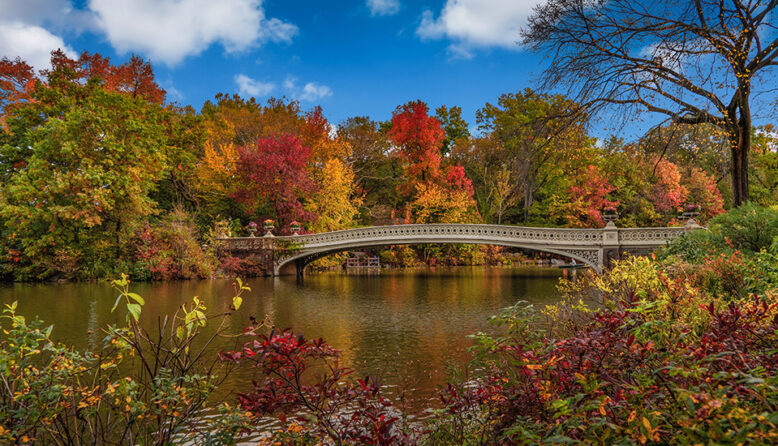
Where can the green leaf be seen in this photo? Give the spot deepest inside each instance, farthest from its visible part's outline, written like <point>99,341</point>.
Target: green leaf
<point>137,298</point>
<point>116,304</point>
<point>134,310</point>
<point>180,332</point>
<point>237,301</point>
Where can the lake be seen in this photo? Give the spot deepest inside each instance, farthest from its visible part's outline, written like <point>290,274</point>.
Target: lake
<point>408,327</point>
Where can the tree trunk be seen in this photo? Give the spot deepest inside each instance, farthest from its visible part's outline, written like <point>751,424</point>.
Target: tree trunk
<point>740,147</point>
<point>529,197</point>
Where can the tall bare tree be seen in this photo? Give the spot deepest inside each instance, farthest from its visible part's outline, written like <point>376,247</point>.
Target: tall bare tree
<point>694,61</point>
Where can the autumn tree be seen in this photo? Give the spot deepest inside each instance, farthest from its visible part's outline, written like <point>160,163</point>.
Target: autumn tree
<point>17,79</point>
<point>232,119</point>
<point>272,178</point>
<point>437,192</point>
<point>325,144</point>
<point>418,137</point>
<point>84,185</point>
<point>538,132</point>
<point>587,196</point>
<point>376,173</point>
<point>702,191</point>
<point>336,203</point>
<point>694,62</point>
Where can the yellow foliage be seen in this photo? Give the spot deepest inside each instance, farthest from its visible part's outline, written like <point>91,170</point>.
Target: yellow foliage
<point>335,203</point>
<point>217,167</point>
<point>434,204</point>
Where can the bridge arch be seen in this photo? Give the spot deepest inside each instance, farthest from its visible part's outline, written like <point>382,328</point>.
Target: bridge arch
<point>294,263</point>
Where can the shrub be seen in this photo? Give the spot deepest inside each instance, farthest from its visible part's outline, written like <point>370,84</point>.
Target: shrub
<point>140,388</point>
<point>748,228</point>
<point>304,379</point>
<point>652,365</point>
<point>251,266</point>
<point>172,250</point>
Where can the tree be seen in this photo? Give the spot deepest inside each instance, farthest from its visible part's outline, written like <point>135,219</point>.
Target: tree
<point>454,126</point>
<point>232,119</point>
<point>83,189</point>
<point>703,192</point>
<point>335,204</point>
<point>438,192</point>
<point>694,62</point>
<point>668,194</point>
<point>764,167</point>
<point>538,132</point>
<point>316,133</point>
<point>419,138</point>
<point>587,197</point>
<point>17,79</point>
<point>273,171</point>
<point>376,173</point>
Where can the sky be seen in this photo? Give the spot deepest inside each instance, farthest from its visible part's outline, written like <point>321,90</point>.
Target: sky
<point>352,57</point>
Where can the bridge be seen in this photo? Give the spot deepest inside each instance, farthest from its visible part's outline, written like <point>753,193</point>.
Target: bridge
<point>593,247</point>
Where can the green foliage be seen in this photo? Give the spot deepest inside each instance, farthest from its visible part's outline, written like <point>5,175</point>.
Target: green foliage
<point>140,388</point>
<point>748,228</point>
<point>72,209</point>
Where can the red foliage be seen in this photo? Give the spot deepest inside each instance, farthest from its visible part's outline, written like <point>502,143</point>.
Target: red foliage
<point>704,192</point>
<point>668,193</point>
<point>597,367</point>
<point>302,378</point>
<point>252,266</point>
<point>135,77</point>
<point>315,128</point>
<point>415,132</point>
<point>457,179</point>
<point>274,170</point>
<point>17,79</point>
<point>591,191</point>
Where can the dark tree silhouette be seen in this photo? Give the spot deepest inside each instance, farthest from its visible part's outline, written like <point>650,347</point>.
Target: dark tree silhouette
<point>694,61</point>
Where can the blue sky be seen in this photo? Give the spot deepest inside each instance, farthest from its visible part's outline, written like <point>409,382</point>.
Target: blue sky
<point>358,57</point>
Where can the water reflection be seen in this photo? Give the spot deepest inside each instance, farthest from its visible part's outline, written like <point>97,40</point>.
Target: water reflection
<point>406,326</point>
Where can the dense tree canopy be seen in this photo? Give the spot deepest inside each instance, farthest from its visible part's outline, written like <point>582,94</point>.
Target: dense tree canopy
<point>98,175</point>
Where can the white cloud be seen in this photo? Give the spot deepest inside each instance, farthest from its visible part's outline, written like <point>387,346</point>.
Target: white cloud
<point>31,43</point>
<point>383,7</point>
<point>477,23</point>
<point>313,92</point>
<point>250,87</point>
<point>58,14</point>
<point>310,92</point>
<point>170,30</point>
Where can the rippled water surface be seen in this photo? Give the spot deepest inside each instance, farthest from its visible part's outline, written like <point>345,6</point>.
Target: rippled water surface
<point>409,327</point>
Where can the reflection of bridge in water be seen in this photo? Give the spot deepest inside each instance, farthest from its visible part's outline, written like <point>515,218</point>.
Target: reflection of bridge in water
<point>592,247</point>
